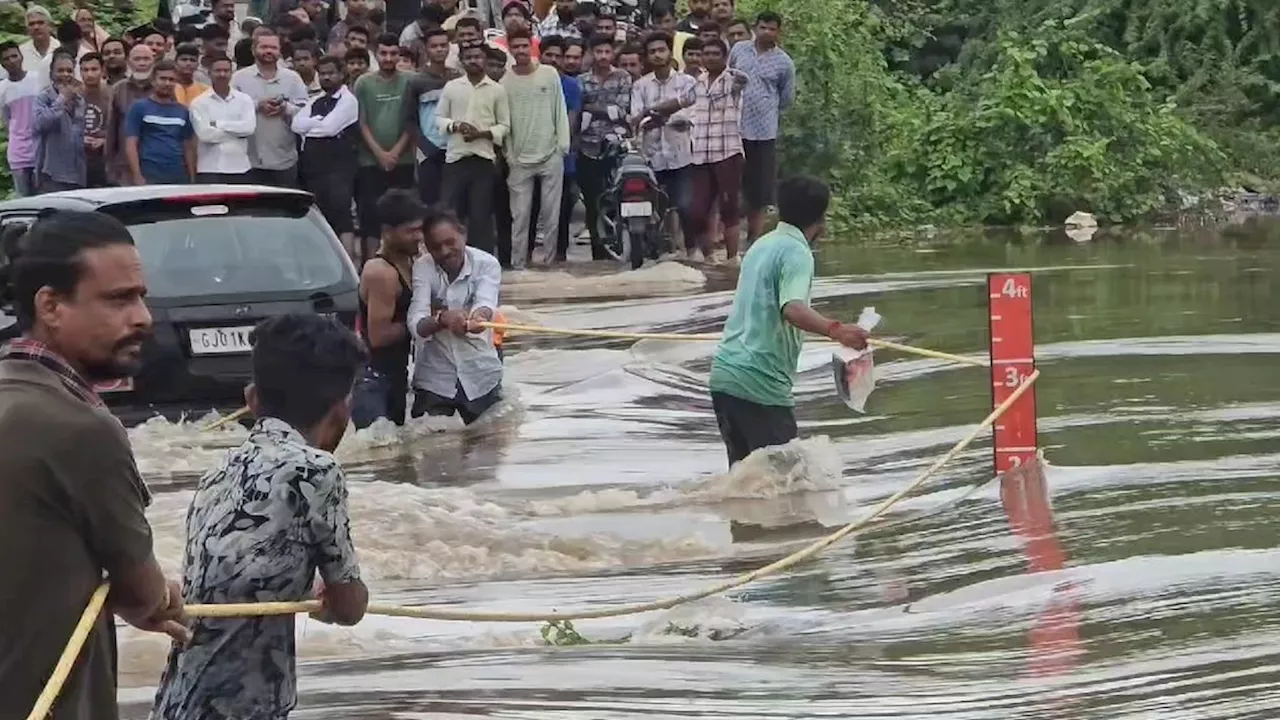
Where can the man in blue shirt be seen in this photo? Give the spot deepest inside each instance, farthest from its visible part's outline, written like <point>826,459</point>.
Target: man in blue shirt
<point>423,98</point>
<point>565,54</point>
<point>160,141</point>
<point>755,363</point>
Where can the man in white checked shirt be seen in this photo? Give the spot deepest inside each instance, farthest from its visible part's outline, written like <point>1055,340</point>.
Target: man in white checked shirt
<point>660,103</point>
<point>717,150</point>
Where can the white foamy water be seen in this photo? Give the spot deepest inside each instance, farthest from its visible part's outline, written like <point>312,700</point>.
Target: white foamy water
<point>659,279</point>
<point>165,450</point>
<point>446,535</point>
<point>403,532</point>
<point>801,466</point>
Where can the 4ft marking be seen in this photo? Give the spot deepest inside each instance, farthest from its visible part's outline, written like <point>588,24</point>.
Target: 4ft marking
<point>1012,288</point>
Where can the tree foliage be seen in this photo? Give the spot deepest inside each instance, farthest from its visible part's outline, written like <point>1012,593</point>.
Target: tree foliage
<point>1022,111</point>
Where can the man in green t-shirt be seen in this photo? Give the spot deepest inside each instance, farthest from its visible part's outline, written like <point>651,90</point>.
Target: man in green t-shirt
<point>387,157</point>
<point>754,365</point>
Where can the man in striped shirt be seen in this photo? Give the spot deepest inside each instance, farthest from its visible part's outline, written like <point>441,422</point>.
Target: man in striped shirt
<point>771,88</point>
<point>661,112</point>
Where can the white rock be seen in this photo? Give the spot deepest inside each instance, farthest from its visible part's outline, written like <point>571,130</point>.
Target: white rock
<point>1081,219</point>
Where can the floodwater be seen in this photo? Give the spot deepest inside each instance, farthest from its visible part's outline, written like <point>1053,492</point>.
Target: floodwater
<point>1151,592</point>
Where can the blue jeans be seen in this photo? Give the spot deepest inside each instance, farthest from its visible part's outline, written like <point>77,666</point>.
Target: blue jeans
<point>24,182</point>
<point>377,395</point>
<point>678,185</point>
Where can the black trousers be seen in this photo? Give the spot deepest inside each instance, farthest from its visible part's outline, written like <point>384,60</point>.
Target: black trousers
<point>593,178</point>
<point>471,185</point>
<point>286,178</point>
<point>429,403</point>
<point>746,426</point>
<point>431,177</point>
<point>568,199</point>
<point>502,214</point>
<point>333,189</point>
<point>372,182</point>
<point>224,178</point>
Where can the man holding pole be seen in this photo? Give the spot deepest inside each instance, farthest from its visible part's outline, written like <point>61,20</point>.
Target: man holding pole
<point>755,362</point>
<point>71,499</point>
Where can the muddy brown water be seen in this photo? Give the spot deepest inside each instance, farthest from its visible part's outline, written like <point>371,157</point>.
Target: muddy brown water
<point>602,482</point>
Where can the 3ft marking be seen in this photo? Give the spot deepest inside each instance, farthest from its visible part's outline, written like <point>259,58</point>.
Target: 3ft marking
<point>1012,360</point>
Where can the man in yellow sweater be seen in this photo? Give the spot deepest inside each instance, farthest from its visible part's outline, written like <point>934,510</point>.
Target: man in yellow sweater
<point>535,148</point>
<point>188,88</point>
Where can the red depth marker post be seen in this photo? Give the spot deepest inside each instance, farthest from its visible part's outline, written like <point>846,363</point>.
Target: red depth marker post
<point>1012,360</point>
<point>1054,640</point>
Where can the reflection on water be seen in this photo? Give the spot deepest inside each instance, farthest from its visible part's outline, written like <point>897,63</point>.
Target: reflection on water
<point>1136,579</point>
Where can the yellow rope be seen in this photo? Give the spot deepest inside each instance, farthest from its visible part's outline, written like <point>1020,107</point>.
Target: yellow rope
<point>67,661</point>
<point>428,613</point>
<point>615,335</point>
<point>72,650</point>
<point>226,420</point>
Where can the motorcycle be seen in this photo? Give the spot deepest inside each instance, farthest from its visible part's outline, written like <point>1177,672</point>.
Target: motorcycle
<point>632,206</point>
<point>192,12</point>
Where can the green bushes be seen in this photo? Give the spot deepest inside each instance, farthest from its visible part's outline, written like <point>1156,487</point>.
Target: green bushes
<point>1056,124</point>
<point>1013,112</point>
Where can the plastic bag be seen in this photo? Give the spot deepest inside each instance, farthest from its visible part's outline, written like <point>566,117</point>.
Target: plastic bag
<point>854,370</point>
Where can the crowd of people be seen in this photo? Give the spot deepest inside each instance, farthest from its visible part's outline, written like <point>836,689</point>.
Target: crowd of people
<point>273,515</point>
<point>504,117</point>
<point>455,126</point>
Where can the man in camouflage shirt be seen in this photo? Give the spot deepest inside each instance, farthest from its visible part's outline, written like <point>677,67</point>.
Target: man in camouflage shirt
<point>264,523</point>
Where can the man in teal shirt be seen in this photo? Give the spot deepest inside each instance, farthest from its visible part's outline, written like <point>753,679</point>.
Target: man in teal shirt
<point>754,365</point>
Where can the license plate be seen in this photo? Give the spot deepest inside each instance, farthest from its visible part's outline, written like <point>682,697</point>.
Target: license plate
<point>637,209</point>
<point>221,341</point>
<point>121,385</point>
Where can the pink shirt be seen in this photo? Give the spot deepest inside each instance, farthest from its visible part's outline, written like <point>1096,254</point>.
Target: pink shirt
<point>17,105</point>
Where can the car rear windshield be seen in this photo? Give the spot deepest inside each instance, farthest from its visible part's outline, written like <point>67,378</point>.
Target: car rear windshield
<point>233,247</point>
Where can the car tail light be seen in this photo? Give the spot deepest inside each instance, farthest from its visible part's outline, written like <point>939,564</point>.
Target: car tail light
<point>635,186</point>
<point>213,197</point>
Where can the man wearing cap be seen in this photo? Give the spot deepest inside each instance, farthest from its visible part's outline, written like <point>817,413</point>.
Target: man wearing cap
<point>515,14</point>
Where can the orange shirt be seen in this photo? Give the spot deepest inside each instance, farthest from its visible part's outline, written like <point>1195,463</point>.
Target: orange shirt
<point>186,93</point>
